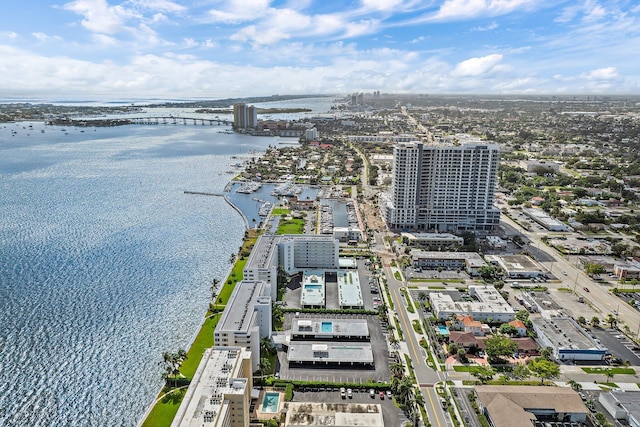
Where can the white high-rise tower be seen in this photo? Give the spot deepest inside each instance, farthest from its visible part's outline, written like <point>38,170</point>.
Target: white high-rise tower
<point>444,188</point>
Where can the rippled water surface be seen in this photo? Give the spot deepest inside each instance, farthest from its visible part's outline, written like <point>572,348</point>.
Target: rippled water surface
<point>105,263</point>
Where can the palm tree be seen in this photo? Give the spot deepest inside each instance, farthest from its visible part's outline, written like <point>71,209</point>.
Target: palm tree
<point>394,341</point>
<point>397,369</point>
<point>266,346</point>
<point>609,374</point>
<point>264,365</point>
<point>575,385</point>
<point>611,320</point>
<point>214,287</point>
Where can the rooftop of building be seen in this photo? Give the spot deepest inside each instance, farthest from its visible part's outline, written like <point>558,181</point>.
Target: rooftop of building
<point>515,262</point>
<point>213,380</point>
<point>313,287</point>
<point>349,290</point>
<point>244,297</point>
<point>309,414</point>
<point>565,333</point>
<point>331,327</point>
<point>334,352</point>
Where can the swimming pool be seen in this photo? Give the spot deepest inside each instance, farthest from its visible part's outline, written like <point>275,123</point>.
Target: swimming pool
<point>443,330</point>
<point>270,402</point>
<point>327,326</point>
<point>313,286</point>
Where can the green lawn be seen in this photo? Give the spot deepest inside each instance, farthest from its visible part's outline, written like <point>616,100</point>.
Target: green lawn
<point>292,226</point>
<point>281,211</point>
<point>165,410</point>
<point>614,371</point>
<point>203,341</point>
<point>235,276</point>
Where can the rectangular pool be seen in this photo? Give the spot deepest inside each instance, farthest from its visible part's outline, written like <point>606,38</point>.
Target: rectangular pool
<point>313,286</point>
<point>271,402</point>
<point>327,327</point>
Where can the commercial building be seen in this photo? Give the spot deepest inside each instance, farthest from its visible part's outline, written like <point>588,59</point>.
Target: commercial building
<point>489,304</point>
<point>628,270</point>
<point>542,218</point>
<point>567,339</point>
<point>246,318</point>
<point>244,117</point>
<point>444,188</point>
<point>220,392</point>
<point>433,240</point>
<point>511,406</point>
<point>429,260</point>
<point>622,405</point>
<point>539,166</point>
<point>517,266</point>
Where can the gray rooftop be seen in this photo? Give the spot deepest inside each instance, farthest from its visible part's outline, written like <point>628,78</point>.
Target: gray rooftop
<point>333,352</point>
<point>245,295</point>
<point>349,290</point>
<point>566,333</point>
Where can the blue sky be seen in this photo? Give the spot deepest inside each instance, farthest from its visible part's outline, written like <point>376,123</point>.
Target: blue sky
<point>113,49</point>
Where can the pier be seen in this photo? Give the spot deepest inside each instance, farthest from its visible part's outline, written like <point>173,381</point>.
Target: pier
<point>202,193</point>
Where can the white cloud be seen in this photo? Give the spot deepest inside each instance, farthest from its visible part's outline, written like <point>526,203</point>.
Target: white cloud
<point>489,27</point>
<point>477,66</point>
<point>45,37</point>
<point>382,4</point>
<point>238,11</point>
<point>608,73</point>
<point>159,5</point>
<point>462,9</point>
<point>8,35</point>
<point>99,17</point>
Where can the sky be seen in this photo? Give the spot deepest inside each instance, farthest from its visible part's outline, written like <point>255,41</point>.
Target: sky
<point>185,49</point>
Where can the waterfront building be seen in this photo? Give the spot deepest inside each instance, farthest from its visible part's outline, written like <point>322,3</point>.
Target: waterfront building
<point>220,392</point>
<point>299,252</point>
<point>246,318</point>
<point>444,188</point>
<point>311,134</point>
<point>433,239</point>
<point>244,116</point>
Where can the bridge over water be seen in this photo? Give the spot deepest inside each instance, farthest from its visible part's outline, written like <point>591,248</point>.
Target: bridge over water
<point>172,120</point>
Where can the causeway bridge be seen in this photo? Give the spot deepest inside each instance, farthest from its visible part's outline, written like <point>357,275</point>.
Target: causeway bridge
<point>173,120</point>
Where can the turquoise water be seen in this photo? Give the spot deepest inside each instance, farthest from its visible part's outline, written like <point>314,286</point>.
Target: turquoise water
<point>327,327</point>
<point>313,286</point>
<point>270,402</point>
<point>443,330</point>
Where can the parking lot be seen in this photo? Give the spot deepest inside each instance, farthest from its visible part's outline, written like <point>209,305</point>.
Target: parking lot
<point>619,346</point>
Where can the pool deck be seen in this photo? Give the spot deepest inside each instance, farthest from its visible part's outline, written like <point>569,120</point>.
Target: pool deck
<point>353,329</point>
<point>313,289</point>
<point>265,415</point>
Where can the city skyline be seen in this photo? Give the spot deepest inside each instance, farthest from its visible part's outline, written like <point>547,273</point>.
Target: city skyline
<point>163,49</point>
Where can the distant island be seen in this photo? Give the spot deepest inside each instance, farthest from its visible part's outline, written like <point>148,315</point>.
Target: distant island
<point>259,110</point>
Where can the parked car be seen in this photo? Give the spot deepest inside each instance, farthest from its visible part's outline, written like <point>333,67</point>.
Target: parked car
<point>343,392</point>
<point>350,393</point>
<point>388,394</point>
<point>381,394</point>
<point>564,272</point>
<point>372,393</point>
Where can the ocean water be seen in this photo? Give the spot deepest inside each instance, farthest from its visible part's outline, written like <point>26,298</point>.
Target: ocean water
<point>105,263</point>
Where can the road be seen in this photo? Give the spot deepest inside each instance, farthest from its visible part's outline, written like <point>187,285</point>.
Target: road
<point>575,279</point>
<point>425,376</point>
